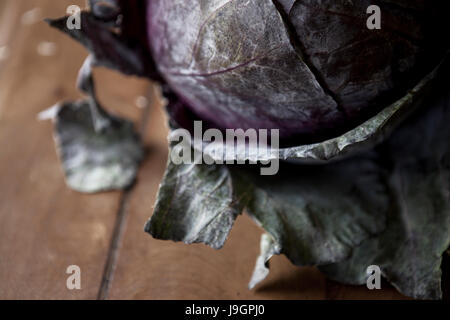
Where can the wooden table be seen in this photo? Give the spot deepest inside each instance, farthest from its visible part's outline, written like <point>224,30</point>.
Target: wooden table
<point>45,227</point>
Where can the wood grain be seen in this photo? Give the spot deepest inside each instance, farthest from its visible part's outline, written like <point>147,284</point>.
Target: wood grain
<point>44,227</point>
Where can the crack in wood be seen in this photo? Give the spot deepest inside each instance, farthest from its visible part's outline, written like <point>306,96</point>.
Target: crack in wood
<point>121,218</point>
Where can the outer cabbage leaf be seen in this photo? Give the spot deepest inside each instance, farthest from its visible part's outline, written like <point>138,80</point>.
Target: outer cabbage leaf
<point>114,43</point>
<point>410,250</point>
<point>317,214</point>
<point>95,161</point>
<point>195,203</point>
<point>100,151</point>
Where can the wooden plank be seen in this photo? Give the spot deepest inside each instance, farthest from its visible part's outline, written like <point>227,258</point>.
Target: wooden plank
<point>336,291</point>
<point>45,227</point>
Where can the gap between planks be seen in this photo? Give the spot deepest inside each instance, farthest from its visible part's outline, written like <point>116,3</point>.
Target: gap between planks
<point>122,214</point>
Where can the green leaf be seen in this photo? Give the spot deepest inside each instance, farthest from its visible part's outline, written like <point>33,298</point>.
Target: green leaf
<point>196,203</point>
<point>269,248</point>
<point>99,151</point>
<point>409,252</point>
<point>96,160</point>
<point>316,214</point>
